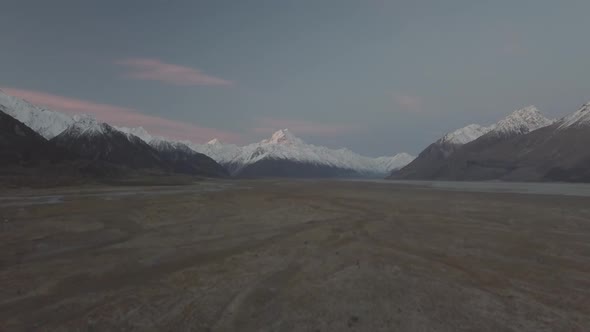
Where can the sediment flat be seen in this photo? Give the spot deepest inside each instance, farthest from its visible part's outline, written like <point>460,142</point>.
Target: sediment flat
<point>289,255</point>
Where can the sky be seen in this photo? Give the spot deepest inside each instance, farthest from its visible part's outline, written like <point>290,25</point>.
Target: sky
<point>376,76</point>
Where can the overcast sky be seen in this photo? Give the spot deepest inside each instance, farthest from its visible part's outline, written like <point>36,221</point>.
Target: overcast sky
<point>376,76</point>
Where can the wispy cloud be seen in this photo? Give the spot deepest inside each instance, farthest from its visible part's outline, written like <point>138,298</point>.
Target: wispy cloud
<point>156,70</point>
<point>408,103</point>
<point>269,125</point>
<point>125,116</point>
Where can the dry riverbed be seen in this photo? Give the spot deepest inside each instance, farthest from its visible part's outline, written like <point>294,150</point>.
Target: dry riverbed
<point>282,255</point>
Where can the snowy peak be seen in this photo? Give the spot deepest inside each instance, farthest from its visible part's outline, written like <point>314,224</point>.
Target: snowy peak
<point>283,136</point>
<point>465,134</point>
<point>580,118</point>
<point>220,152</point>
<point>285,146</point>
<point>521,121</point>
<point>85,125</point>
<point>45,122</point>
<point>164,145</point>
<point>214,141</point>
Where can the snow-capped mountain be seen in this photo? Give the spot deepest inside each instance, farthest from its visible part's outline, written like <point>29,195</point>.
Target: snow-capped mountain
<point>557,152</point>
<point>99,141</point>
<point>22,146</point>
<point>85,125</point>
<point>177,154</point>
<point>221,152</point>
<point>88,136</point>
<point>283,137</point>
<point>284,149</point>
<point>436,159</point>
<point>430,159</point>
<point>581,118</point>
<point>45,122</point>
<point>520,122</point>
<point>466,134</point>
<point>90,139</point>
<point>523,146</point>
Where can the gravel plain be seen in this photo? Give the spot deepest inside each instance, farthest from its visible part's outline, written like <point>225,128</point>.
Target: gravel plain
<point>289,255</point>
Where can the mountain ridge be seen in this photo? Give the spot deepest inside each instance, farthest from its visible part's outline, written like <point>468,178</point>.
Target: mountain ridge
<point>283,145</point>
<point>539,150</point>
<point>434,161</point>
<point>45,122</point>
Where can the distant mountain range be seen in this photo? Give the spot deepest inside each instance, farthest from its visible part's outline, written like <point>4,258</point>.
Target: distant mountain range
<point>524,146</point>
<point>134,148</point>
<point>285,155</point>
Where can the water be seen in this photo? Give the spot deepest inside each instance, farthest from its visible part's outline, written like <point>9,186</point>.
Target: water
<point>564,189</point>
<point>30,200</point>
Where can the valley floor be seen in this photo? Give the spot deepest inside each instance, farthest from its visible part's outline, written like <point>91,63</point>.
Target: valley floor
<point>286,255</point>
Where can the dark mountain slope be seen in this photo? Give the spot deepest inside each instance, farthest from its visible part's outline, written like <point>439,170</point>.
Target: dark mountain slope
<point>558,152</point>
<point>20,145</point>
<point>101,142</point>
<point>183,159</point>
<point>463,155</point>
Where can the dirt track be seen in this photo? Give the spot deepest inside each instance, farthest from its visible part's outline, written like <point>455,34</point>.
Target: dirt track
<point>295,256</point>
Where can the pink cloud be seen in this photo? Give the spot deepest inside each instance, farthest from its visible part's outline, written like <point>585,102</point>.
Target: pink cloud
<point>156,70</point>
<point>408,102</point>
<point>125,116</point>
<point>269,125</point>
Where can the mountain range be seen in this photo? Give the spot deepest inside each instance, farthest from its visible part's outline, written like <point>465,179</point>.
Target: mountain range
<point>524,146</point>
<point>283,154</point>
<point>83,142</point>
